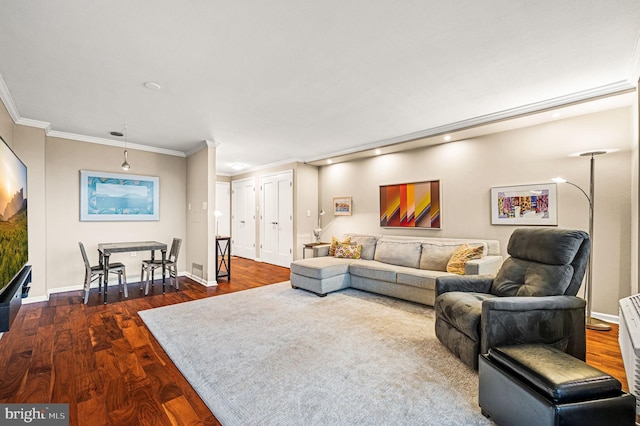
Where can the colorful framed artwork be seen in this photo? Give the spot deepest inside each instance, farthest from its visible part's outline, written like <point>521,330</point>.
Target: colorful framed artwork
<point>118,197</point>
<point>411,205</point>
<point>524,205</point>
<point>342,206</point>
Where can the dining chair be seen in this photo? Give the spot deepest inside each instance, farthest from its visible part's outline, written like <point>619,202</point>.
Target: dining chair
<point>97,271</point>
<point>170,264</point>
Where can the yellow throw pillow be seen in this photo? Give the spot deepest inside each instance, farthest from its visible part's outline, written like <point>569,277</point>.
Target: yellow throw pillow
<point>335,242</point>
<point>461,256</point>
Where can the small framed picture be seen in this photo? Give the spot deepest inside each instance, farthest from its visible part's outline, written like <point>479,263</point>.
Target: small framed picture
<point>342,206</point>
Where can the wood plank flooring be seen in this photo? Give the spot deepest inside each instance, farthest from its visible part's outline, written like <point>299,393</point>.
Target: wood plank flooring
<point>103,362</point>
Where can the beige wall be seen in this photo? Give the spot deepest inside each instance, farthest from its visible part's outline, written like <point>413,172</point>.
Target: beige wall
<point>468,169</point>
<point>200,191</point>
<point>30,147</point>
<point>64,160</point>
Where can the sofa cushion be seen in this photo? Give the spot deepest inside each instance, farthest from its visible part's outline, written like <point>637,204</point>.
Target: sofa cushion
<point>368,243</point>
<point>344,251</point>
<point>519,277</point>
<point>418,277</point>
<point>320,267</point>
<point>436,254</point>
<point>373,270</point>
<point>461,256</point>
<point>401,253</point>
<point>463,311</point>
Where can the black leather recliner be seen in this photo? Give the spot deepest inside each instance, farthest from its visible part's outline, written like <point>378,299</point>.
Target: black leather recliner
<point>532,299</point>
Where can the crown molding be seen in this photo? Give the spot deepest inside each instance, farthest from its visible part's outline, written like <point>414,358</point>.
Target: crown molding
<point>111,142</point>
<point>633,76</point>
<point>5,95</point>
<point>617,88</point>
<point>35,123</point>
<point>199,147</point>
<point>267,166</point>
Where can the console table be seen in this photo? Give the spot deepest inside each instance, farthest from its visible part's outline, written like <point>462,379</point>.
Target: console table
<point>105,250</point>
<point>223,258</point>
<point>314,248</point>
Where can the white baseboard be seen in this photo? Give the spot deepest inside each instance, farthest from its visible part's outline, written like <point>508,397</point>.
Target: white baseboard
<point>614,319</point>
<point>200,280</point>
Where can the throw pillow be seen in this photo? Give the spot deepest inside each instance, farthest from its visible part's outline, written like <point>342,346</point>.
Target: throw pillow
<point>461,256</point>
<point>345,251</point>
<point>335,242</point>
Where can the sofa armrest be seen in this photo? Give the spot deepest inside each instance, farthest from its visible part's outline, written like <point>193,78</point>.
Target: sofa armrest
<point>487,265</point>
<point>555,320</point>
<point>472,283</point>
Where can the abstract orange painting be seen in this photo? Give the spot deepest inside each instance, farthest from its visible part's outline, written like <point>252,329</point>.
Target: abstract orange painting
<point>411,205</point>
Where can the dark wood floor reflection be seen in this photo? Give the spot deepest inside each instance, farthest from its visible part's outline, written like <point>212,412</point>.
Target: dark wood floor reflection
<point>103,362</point>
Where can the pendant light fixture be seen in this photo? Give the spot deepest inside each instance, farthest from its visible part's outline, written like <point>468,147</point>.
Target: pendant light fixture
<point>125,165</point>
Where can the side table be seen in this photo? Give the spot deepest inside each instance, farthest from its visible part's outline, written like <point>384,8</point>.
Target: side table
<point>223,258</point>
<point>315,247</point>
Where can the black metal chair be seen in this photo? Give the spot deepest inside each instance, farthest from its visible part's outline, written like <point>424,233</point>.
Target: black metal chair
<point>532,299</point>
<point>97,271</point>
<point>170,264</point>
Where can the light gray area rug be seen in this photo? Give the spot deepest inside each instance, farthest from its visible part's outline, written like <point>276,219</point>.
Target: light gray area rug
<point>278,356</point>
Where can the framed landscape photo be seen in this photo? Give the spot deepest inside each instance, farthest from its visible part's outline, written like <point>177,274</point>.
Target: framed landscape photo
<point>342,206</point>
<point>411,205</point>
<point>118,197</point>
<point>524,205</point>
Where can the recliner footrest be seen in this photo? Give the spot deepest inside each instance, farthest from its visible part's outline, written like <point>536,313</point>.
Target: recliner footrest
<point>540,385</point>
<point>555,374</point>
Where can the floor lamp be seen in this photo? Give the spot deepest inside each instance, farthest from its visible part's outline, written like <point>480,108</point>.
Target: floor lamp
<point>592,323</point>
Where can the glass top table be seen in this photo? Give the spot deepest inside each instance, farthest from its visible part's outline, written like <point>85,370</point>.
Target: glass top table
<point>105,250</point>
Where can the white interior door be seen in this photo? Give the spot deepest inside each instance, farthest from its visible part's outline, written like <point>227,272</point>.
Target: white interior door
<point>276,242</point>
<point>243,222</point>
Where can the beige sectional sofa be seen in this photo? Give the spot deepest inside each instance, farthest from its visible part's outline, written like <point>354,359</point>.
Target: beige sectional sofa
<point>402,267</point>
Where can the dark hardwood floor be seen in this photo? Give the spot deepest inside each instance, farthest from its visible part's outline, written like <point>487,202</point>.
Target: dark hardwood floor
<point>103,362</point>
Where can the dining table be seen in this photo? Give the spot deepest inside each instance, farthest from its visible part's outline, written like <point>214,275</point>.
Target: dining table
<point>105,250</point>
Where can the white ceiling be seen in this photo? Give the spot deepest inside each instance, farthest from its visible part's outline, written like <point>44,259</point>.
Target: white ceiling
<point>302,80</point>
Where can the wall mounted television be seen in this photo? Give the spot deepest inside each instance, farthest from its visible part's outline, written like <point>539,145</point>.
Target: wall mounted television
<point>14,247</point>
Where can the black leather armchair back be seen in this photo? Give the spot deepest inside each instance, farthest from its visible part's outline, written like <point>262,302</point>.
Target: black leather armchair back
<point>543,262</point>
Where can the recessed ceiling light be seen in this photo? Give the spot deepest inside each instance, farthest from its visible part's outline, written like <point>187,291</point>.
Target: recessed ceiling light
<point>377,152</point>
<point>329,161</point>
<point>556,114</point>
<point>152,86</point>
<point>447,138</point>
